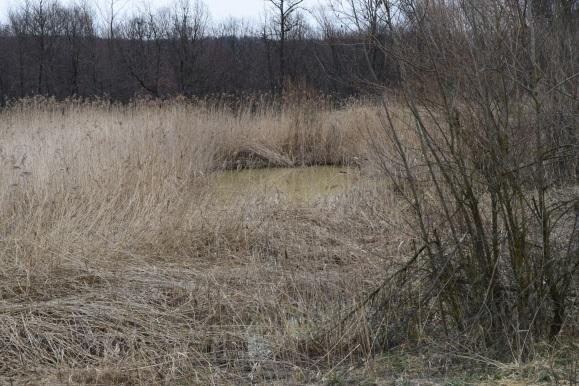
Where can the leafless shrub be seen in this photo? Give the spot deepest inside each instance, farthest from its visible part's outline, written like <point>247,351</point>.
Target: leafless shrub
<point>489,172</point>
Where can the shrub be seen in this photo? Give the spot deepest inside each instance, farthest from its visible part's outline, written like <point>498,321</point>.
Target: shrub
<point>486,160</point>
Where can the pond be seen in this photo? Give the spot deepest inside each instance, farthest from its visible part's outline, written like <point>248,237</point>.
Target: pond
<point>293,184</point>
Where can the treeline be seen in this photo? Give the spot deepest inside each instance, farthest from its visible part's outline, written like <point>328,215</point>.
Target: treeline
<point>59,50</point>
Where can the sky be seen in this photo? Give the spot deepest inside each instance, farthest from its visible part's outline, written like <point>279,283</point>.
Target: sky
<point>219,9</point>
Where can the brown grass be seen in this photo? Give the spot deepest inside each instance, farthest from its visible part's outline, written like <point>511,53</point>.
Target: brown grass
<point>119,265</point>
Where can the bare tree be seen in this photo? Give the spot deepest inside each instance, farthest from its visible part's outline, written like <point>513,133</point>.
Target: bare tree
<point>78,29</point>
<point>142,51</point>
<point>284,20</point>
<point>46,26</point>
<point>370,21</point>
<point>20,26</point>
<point>110,13</point>
<point>38,22</point>
<point>188,25</point>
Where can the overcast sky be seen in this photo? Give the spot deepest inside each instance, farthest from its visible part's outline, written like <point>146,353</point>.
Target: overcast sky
<point>219,9</point>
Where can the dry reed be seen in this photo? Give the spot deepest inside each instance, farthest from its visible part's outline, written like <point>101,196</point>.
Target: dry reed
<point>119,265</point>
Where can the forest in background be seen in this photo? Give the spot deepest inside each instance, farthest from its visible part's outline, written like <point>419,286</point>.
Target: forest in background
<point>59,50</point>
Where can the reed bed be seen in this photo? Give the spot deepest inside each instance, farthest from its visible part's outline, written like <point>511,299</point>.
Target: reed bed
<point>119,265</point>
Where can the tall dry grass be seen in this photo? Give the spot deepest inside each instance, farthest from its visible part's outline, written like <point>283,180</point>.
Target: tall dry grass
<point>72,171</point>
<point>119,264</point>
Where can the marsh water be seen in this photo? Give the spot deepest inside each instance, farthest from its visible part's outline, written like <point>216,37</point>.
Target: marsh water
<point>293,184</point>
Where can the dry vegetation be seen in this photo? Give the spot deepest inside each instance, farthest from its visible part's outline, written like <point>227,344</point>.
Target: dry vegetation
<point>119,265</point>
<point>457,248</point>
